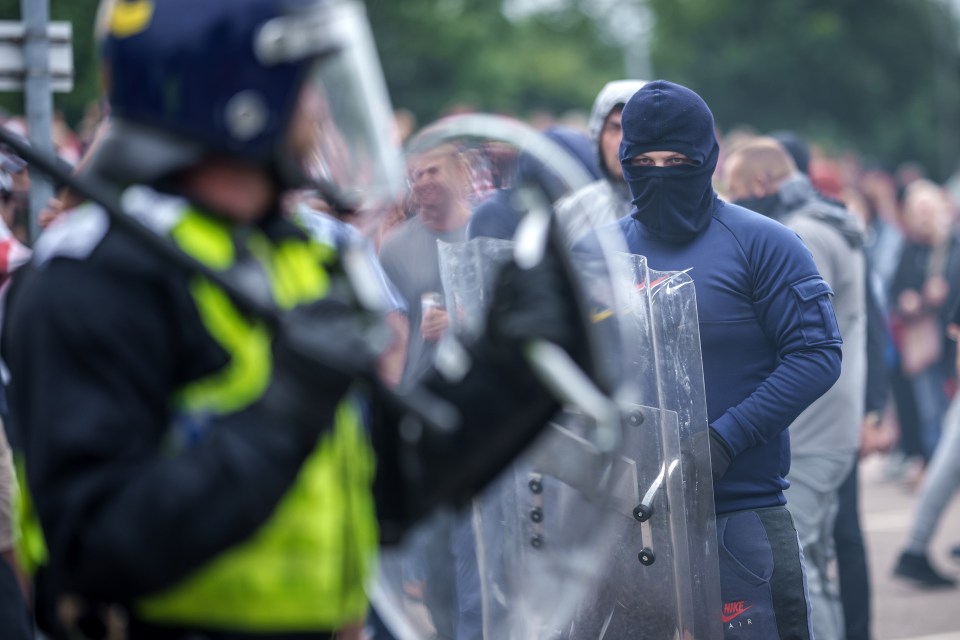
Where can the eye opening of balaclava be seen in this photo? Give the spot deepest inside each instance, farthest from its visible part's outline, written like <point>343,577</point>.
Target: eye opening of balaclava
<point>675,203</point>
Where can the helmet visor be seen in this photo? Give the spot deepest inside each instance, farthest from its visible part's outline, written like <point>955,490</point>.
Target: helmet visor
<point>343,130</point>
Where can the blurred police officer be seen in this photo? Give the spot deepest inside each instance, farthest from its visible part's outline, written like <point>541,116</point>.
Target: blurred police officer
<point>197,468</point>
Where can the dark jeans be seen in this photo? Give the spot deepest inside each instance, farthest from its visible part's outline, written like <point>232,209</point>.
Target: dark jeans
<point>911,440</point>
<point>377,628</point>
<point>852,560</point>
<point>15,622</point>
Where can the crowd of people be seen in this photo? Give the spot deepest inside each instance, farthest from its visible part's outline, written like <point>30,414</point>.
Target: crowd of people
<point>885,241</point>
<point>831,288</point>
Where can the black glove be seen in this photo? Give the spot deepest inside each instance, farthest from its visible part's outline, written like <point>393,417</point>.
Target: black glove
<point>721,455</point>
<point>544,302</point>
<point>319,350</point>
<point>502,404</point>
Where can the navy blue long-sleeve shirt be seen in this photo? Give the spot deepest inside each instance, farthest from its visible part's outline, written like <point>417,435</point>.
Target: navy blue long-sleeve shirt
<point>768,334</point>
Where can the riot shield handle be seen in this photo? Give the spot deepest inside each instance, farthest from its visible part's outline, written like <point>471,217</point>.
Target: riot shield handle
<point>644,510</point>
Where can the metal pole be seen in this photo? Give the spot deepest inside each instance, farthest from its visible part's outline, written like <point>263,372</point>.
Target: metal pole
<point>636,59</point>
<point>635,41</point>
<point>38,100</point>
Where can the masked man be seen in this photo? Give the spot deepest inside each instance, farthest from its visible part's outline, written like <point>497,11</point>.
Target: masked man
<point>825,438</point>
<point>769,339</point>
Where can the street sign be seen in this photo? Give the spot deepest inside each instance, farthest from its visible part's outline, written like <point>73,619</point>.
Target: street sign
<point>13,70</point>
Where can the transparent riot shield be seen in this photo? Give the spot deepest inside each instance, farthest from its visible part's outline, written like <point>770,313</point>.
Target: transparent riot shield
<point>662,576</point>
<point>604,527</point>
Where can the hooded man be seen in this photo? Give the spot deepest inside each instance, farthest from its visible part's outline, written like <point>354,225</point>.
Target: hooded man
<point>769,340</point>
<point>607,199</point>
<point>825,439</point>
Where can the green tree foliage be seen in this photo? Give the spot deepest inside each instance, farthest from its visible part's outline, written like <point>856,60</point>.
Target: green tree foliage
<point>882,76</point>
<point>436,54</point>
<point>439,54</point>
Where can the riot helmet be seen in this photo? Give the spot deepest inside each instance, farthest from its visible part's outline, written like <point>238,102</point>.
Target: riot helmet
<point>293,86</point>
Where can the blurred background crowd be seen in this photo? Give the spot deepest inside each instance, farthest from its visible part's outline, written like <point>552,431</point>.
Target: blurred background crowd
<point>868,92</point>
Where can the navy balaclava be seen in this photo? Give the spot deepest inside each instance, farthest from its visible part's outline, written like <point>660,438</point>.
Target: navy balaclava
<point>674,203</point>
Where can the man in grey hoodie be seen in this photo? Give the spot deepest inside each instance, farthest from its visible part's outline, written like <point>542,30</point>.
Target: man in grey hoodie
<point>607,199</point>
<point>824,439</point>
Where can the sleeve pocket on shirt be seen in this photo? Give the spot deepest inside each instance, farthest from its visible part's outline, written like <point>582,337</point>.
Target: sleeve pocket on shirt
<point>818,322</point>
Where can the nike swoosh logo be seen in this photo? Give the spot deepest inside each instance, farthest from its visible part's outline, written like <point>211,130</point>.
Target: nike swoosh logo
<point>727,618</point>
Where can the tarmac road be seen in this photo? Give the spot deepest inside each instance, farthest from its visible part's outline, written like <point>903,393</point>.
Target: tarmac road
<point>900,610</point>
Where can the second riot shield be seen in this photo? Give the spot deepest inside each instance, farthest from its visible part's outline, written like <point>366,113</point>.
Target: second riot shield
<point>661,569</point>
<point>662,575</point>
<point>604,526</point>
